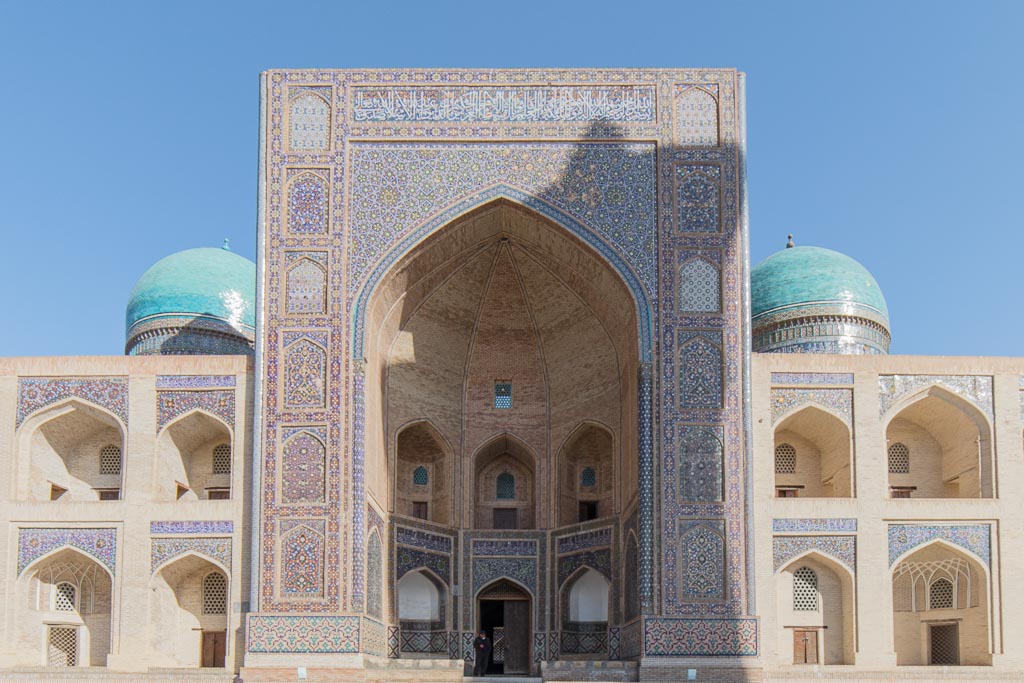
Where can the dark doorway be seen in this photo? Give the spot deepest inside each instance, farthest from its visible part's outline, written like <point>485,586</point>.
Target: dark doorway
<point>505,518</point>
<point>213,648</point>
<point>945,646</point>
<point>505,617</point>
<point>588,510</point>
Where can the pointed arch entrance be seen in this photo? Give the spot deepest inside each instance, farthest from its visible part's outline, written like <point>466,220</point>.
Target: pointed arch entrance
<point>504,609</point>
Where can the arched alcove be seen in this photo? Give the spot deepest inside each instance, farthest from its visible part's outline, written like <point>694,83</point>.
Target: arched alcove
<point>189,601</point>
<point>584,608</point>
<point>938,445</point>
<point>71,451</point>
<point>190,461</point>
<point>422,614</point>
<point>423,474</point>
<point>815,611</point>
<point>813,456</point>
<point>941,608</point>
<point>63,613</point>
<point>504,494</point>
<point>585,475</point>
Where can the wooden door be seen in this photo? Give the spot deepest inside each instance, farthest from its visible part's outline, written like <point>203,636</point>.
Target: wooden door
<point>517,637</point>
<point>214,643</point>
<point>805,647</point>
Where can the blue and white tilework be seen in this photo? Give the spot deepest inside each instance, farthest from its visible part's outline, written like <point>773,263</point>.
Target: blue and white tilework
<point>195,381</point>
<point>423,539</point>
<point>815,525</point>
<point>583,540</point>
<point>305,634</point>
<point>488,546</point>
<point>192,527</point>
<point>522,570</point>
<point>598,560</point>
<point>702,565</point>
<point>836,401</point>
<point>700,637</point>
<point>38,392</point>
<point>976,389</point>
<point>841,548</point>
<point>100,544</point>
<point>975,538</point>
<point>410,559</point>
<point>811,378</point>
<point>163,550</point>
<point>173,404</point>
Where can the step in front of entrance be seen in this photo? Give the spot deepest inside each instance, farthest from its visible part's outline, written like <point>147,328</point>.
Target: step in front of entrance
<point>570,672</point>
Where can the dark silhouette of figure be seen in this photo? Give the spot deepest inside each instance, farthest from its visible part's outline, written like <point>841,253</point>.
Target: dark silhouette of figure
<point>482,649</point>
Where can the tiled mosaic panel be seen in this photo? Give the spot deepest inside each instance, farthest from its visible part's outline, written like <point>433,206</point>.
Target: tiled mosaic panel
<point>423,539</point>
<point>522,570</point>
<point>698,197</point>
<point>192,527</point>
<point>837,401</point>
<point>583,540</point>
<point>163,550</point>
<point>811,524</point>
<point>195,381</point>
<point>842,548</point>
<point>584,643</point>
<point>409,559</point>
<point>435,642</point>
<point>38,392</point>
<point>504,104</point>
<point>696,115</point>
<point>100,544</point>
<point>303,469</point>
<point>975,538</point>
<point>302,559</point>
<point>309,118</point>
<point>700,287</point>
<point>394,642</point>
<point>701,462</point>
<point>598,560</point>
<point>374,577</point>
<point>976,389</point>
<point>174,404</point>
<point>614,644</point>
<point>700,369</point>
<point>702,575</point>
<point>308,206</point>
<point>504,547</point>
<point>305,371</point>
<point>306,288</point>
<point>302,634</point>
<point>700,637</point>
<point>374,638</point>
<point>803,378</point>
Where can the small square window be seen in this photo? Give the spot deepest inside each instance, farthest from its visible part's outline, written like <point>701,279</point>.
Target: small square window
<point>218,494</point>
<point>502,395</point>
<point>109,494</point>
<point>420,510</point>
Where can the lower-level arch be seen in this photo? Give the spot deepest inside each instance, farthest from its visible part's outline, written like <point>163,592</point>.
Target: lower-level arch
<point>504,611</point>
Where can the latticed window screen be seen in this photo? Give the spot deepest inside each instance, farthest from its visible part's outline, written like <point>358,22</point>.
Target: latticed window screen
<point>588,477</point>
<point>64,597</point>
<point>215,593</point>
<point>505,486</point>
<point>945,649</point>
<point>899,459</point>
<point>62,650</point>
<point>805,590</point>
<point>785,459</point>
<point>222,459</point>
<point>940,594</point>
<point>420,476</point>
<point>110,460</point>
<point>502,394</point>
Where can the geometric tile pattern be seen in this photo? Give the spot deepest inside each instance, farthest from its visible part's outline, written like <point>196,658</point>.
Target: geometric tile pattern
<point>163,550</point>
<point>171,404</point>
<point>302,634</point>
<point>374,577</point>
<point>703,561</point>
<point>700,287</point>
<point>700,369</point>
<point>584,540</point>
<point>309,118</point>
<point>374,638</point>
<point>306,288</point>
<point>408,559</point>
<point>195,381</point>
<point>804,378</point>
<point>599,560</point>
<point>302,557</point>
<point>305,367</point>
<point>975,538</point>
<point>700,637</point>
<point>974,388</point>
<point>810,525</point>
<point>100,544</point>
<point>522,570</point>
<point>696,115</point>
<point>303,469</point>
<point>698,197</point>
<point>700,463</point>
<point>842,548</point>
<point>574,642</point>
<point>836,401</point>
<point>423,539</point>
<point>308,202</point>
<point>504,547</point>
<point>38,392</point>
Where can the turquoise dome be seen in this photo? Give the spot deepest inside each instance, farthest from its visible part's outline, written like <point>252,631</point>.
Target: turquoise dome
<point>813,276</point>
<point>197,301</point>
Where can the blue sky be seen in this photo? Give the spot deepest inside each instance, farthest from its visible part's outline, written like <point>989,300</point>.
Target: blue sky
<point>886,130</point>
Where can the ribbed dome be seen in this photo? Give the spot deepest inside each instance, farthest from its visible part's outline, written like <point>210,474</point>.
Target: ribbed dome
<point>809,298</point>
<point>213,290</point>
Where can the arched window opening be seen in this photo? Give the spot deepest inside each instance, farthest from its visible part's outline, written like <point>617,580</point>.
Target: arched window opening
<point>805,590</point>
<point>899,459</point>
<point>588,478</point>
<point>420,477</point>
<point>422,488</point>
<point>110,460</point>
<point>785,459</point>
<point>505,486</point>
<point>813,456</point>
<point>215,593</point>
<point>194,460</point>
<point>65,597</point>
<point>222,459</point>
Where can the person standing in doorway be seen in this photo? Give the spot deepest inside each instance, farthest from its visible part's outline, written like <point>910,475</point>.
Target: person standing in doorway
<point>482,649</point>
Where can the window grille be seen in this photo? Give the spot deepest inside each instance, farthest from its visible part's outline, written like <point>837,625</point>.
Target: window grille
<point>63,647</point>
<point>505,486</point>
<point>110,460</point>
<point>502,395</point>
<point>899,459</point>
<point>940,594</point>
<point>420,476</point>
<point>588,477</point>
<point>785,459</point>
<point>64,597</point>
<point>805,590</point>
<point>215,593</point>
<point>222,459</point>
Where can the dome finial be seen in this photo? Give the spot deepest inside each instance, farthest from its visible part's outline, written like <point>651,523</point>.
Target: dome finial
<point>227,248</point>
<point>789,242</point>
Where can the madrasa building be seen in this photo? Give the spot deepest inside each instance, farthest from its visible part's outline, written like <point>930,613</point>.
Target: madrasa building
<point>502,365</point>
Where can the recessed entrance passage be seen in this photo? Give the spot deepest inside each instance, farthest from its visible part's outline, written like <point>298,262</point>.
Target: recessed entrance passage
<point>504,611</point>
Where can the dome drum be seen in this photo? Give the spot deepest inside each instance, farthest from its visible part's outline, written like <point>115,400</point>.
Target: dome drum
<point>176,335</point>
<point>822,334</point>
